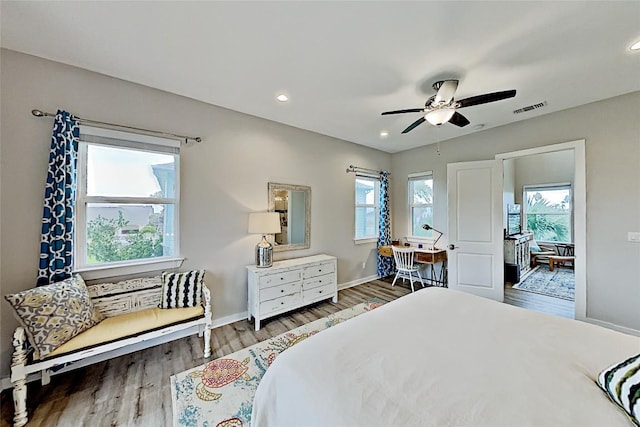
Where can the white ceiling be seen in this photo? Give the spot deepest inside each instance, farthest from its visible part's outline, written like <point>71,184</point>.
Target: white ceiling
<point>343,63</point>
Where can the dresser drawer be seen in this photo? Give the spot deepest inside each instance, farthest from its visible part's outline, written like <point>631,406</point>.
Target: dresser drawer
<point>279,278</point>
<point>318,293</point>
<point>292,300</point>
<point>279,291</point>
<point>318,270</point>
<point>314,282</point>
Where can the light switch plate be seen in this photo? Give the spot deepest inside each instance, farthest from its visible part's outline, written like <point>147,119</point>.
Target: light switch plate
<point>633,236</point>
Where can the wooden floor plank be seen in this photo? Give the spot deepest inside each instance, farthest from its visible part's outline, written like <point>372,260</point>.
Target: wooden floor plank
<point>134,390</point>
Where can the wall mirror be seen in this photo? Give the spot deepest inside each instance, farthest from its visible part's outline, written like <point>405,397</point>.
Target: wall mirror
<point>293,203</point>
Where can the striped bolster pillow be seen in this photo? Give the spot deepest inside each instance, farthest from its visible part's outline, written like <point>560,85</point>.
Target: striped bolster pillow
<point>622,383</point>
<point>181,289</point>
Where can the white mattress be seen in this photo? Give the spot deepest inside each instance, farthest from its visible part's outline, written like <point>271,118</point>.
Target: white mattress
<point>439,357</point>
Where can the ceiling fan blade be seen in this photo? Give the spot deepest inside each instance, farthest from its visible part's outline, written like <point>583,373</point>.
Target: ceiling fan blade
<point>458,120</point>
<point>446,91</point>
<point>414,124</point>
<point>487,97</point>
<point>410,110</point>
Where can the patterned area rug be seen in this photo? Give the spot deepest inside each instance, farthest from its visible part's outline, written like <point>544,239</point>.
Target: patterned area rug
<point>220,393</point>
<point>559,283</point>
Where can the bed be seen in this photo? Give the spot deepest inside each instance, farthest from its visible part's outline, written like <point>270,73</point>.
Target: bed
<point>438,357</point>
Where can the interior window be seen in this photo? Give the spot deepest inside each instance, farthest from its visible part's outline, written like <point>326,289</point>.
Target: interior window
<point>549,212</point>
<point>127,198</point>
<point>420,193</point>
<point>367,207</point>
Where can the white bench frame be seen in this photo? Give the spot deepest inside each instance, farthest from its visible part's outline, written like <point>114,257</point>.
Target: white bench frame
<point>112,299</point>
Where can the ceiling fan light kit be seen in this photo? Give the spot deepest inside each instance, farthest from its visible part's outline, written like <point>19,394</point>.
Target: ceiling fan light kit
<point>441,116</point>
<point>441,107</point>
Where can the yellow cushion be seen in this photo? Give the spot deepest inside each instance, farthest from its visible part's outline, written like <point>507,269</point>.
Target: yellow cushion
<point>128,324</point>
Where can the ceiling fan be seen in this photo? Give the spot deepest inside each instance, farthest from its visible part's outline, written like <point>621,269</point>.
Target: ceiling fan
<point>441,107</point>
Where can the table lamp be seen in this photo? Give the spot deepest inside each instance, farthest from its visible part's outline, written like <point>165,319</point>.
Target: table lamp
<point>428,227</point>
<point>264,223</point>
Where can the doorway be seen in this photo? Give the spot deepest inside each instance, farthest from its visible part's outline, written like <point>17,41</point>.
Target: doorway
<point>544,285</point>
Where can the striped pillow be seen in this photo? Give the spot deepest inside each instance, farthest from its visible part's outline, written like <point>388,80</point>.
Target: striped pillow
<point>181,289</point>
<point>622,383</point>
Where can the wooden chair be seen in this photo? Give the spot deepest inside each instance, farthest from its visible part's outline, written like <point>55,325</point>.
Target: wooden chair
<point>404,266</point>
<point>536,252</point>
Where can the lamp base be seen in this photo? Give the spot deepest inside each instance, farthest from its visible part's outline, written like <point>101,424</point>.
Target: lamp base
<point>264,253</point>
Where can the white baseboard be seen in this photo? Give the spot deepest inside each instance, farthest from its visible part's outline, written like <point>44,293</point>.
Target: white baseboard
<point>623,329</point>
<point>356,282</point>
<point>221,321</point>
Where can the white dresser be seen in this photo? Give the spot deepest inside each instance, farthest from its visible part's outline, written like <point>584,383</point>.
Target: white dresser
<point>516,251</point>
<point>291,284</point>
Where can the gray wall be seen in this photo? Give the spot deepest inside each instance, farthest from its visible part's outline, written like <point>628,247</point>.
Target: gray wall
<point>611,129</point>
<point>546,168</point>
<point>223,178</point>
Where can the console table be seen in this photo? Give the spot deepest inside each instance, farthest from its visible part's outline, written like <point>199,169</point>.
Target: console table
<point>290,284</point>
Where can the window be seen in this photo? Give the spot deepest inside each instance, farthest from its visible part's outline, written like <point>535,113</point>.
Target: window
<point>367,207</point>
<point>420,203</point>
<point>127,199</point>
<point>549,212</point>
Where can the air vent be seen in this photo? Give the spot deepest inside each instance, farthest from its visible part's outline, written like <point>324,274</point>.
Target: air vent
<point>530,107</point>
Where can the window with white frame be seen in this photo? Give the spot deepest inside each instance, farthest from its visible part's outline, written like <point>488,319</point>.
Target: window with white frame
<point>548,212</point>
<point>367,207</point>
<point>420,192</point>
<point>127,199</point>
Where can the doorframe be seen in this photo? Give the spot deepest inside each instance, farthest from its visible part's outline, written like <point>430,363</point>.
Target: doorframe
<point>579,212</point>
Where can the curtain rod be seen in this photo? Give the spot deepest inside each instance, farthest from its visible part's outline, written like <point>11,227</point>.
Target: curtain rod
<point>357,169</point>
<point>39,113</point>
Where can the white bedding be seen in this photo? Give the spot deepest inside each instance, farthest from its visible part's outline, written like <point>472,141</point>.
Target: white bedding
<point>438,357</point>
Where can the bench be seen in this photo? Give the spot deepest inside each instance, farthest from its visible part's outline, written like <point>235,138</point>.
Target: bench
<point>560,260</point>
<point>133,322</point>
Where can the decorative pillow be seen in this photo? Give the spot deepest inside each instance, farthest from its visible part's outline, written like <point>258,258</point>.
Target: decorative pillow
<point>533,246</point>
<point>622,383</point>
<point>181,289</point>
<point>53,314</point>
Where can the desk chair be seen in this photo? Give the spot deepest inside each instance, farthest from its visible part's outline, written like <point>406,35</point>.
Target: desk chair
<point>404,266</point>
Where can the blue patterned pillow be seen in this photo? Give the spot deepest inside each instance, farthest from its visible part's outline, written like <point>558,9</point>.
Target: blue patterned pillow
<point>622,383</point>
<point>181,289</point>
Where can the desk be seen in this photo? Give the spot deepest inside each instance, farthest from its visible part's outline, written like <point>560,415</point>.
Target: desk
<point>426,256</point>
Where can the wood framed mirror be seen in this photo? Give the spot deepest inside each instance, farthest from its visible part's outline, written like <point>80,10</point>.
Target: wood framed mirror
<point>293,203</point>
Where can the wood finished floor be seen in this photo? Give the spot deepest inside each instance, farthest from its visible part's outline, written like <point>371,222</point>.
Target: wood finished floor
<point>133,390</point>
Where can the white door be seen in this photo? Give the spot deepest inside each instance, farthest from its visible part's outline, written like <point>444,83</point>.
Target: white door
<point>474,191</point>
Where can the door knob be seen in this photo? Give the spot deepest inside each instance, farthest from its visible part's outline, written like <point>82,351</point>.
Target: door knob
<point>452,247</point>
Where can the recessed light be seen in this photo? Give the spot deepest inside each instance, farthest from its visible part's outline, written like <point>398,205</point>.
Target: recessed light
<point>384,134</point>
<point>635,46</point>
<point>282,97</point>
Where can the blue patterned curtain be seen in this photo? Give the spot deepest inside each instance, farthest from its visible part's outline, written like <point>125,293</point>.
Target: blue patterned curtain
<point>385,264</point>
<point>56,243</point>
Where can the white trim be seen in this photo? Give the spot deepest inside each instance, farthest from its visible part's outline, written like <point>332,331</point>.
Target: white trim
<point>226,320</point>
<point>357,282</point>
<point>129,136</point>
<point>134,267</point>
<point>579,212</point>
<point>419,174</point>
<point>365,240</point>
<point>623,329</point>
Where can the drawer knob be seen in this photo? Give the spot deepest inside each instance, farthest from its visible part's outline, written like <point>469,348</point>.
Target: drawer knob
<point>282,290</point>
<point>319,281</point>
<point>282,278</point>
<point>320,292</point>
<point>282,303</point>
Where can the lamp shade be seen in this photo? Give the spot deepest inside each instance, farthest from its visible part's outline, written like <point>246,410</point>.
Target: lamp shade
<point>264,223</point>
<point>438,117</point>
